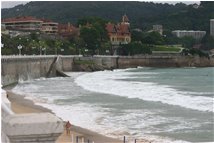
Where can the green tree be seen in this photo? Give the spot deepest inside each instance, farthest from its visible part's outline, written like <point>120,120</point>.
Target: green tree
<point>57,46</point>
<point>90,37</point>
<point>137,35</point>
<point>187,41</point>
<point>152,38</point>
<point>134,48</point>
<point>208,42</point>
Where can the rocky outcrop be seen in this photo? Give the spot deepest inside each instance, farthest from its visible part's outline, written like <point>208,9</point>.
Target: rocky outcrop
<point>88,67</point>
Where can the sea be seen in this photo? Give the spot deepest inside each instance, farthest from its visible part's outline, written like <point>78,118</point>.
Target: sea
<point>163,105</point>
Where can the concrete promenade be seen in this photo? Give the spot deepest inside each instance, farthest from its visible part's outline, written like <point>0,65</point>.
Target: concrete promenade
<point>29,128</point>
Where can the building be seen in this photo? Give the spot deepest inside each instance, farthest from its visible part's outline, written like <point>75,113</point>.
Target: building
<point>25,23</point>
<point>4,30</point>
<point>29,23</point>
<point>119,33</point>
<point>158,28</point>
<point>67,30</point>
<point>195,6</point>
<point>195,34</point>
<point>212,27</point>
<point>49,27</point>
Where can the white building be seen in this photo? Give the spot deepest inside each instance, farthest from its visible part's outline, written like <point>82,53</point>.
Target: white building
<point>194,34</point>
<point>212,27</point>
<point>158,28</point>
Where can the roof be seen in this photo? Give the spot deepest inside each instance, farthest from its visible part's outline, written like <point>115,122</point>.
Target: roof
<point>110,28</point>
<point>67,30</point>
<point>125,18</point>
<point>66,26</point>
<point>188,31</point>
<point>21,19</point>
<point>118,29</point>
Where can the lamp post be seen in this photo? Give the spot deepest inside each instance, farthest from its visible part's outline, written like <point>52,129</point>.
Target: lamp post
<point>33,50</point>
<point>97,50</point>
<point>20,48</point>
<point>44,49</point>
<point>62,50</point>
<point>40,50</point>
<point>107,51</point>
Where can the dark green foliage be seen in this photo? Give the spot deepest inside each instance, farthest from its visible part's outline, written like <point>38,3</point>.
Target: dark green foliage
<point>152,38</point>
<point>92,34</point>
<point>98,23</point>
<point>35,47</point>
<point>194,52</point>
<point>134,48</point>
<point>137,35</point>
<point>187,42</point>
<point>208,42</point>
<point>169,38</point>
<point>90,37</point>
<point>141,14</point>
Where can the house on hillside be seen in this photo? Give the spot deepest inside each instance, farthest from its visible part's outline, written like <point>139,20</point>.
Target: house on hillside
<point>119,33</point>
<point>68,30</point>
<point>31,24</point>
<point>49,27</point>
<point>25,23</point>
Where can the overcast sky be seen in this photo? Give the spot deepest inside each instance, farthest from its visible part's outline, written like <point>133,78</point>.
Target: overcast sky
<point>10,4</point>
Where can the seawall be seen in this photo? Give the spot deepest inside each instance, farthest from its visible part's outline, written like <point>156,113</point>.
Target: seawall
<point>165,61</point>
<point>16,68</point>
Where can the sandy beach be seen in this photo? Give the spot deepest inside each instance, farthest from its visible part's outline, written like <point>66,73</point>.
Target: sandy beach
<point>21,105</point>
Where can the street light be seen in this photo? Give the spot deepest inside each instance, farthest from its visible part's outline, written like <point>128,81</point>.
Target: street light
<point>62,50</point>
<point>20,48</point>
<point>107,51</point>
<point>44,49</point>
<point>40,50</point>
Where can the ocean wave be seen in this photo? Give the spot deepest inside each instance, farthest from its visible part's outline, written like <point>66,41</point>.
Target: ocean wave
<point>105,82</point>
<point>85,115</point>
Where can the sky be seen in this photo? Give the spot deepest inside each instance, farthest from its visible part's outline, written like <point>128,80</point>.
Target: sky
<point>10,4</point>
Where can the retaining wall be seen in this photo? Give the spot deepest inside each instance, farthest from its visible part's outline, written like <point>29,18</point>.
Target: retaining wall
<point>15,68</point>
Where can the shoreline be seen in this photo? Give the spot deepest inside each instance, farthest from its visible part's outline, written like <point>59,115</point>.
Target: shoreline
<point>19,105</point>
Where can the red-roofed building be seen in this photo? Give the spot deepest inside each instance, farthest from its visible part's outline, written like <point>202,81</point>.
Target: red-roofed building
<point>29,23</point>
<point>120,33</point>
<point>25,23</point>
<point>49,27</point>
<point>67,30</point>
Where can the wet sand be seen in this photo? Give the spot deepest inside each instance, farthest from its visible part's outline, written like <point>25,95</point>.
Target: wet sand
<point>21,105</point>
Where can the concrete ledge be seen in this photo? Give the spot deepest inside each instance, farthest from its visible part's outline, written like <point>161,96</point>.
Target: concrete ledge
<point>32,128</point>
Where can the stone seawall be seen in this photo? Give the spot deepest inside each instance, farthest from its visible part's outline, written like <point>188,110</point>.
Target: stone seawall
<point>165,61</point>
<point>15,68</point>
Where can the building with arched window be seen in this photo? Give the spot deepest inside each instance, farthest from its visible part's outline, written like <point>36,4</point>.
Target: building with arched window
<point>119,33</point>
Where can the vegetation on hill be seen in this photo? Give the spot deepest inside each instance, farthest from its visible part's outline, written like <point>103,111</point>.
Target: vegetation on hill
<point>141,14</point>
<point>92,17</point>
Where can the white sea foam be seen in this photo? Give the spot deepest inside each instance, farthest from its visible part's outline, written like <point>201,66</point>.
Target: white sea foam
<point>131,123</point>
<point>106,82</point>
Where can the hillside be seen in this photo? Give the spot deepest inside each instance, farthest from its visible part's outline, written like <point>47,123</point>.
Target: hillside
<point>141,14</point>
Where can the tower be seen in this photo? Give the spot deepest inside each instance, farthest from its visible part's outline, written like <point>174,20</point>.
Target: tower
<point>212,27</point>
<point>125,20</point>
